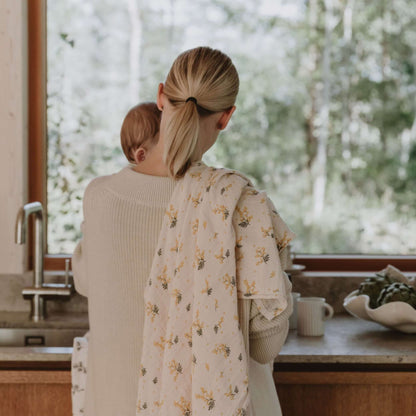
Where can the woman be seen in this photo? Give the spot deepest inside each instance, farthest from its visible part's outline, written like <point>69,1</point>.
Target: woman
<point>171,282</point>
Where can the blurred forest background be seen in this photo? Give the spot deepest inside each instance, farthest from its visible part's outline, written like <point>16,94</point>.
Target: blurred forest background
<point>325,120</point>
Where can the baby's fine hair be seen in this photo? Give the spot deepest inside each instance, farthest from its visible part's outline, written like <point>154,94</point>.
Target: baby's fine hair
<point>202,81</point>
<point>140,125</point>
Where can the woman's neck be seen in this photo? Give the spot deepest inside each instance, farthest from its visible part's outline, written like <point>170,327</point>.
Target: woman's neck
<point>153,164</point>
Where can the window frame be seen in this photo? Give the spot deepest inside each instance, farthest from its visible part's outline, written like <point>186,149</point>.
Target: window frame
<point>37,162</point>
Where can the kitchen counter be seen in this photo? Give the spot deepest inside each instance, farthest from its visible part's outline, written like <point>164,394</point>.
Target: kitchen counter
<point>347,341</point>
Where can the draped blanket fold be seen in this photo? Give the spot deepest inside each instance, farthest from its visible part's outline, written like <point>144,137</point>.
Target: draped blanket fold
<point>194,361</point>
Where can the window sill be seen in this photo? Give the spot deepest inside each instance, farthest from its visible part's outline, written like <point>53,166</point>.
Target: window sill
<point>316,265</point>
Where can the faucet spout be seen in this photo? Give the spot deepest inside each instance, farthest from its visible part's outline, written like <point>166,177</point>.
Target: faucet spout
<point>40,291</point>
<point>22,217</point>
<point>36,209</point>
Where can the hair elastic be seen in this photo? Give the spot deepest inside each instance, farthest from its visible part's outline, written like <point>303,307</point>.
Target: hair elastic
<point>191,99</point>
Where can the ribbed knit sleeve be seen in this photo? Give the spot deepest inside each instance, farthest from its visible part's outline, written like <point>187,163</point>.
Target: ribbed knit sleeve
<point>264,338</point>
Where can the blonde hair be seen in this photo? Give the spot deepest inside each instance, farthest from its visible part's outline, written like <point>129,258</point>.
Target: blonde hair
<point>209,77</point>
<point>140,125</point>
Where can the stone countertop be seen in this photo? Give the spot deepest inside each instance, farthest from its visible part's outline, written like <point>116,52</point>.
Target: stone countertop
<point>38,354</point>
<point>347,340</point>
<point>350,340</point>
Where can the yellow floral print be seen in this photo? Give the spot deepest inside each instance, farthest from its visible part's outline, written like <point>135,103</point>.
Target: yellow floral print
<point>172,340</point>
<point>225,188</point>
<point>222,349</point>
<point>175,368</point>
<point>211,182</point>
<point>208,289</point>
<point>197,324</point>
<point>283,242</point>
<point>250,288</point>
<point>229,282</point>
<point>232,392</point>
<point>218,325</point>
<point>163,278</point>
<point>198,283</point>
<point>196,175</point>
<point>197,200</point>
<point>152,310</point>
<point>177,295</point>
<point>173,216</point>
<point>160,344</point>
<point>178,269</point>
<point>245,218</point>
<point>177,247</point>
<point>222,209</point>
<point>195,226</point>
<point>184,406</point>
<point>221,256</point>
<point>207,397</point>
<point>188,336</point>
<point>199,262</point>
<point>141,406</point>
<point>262,255</point>
<point>267,232</point>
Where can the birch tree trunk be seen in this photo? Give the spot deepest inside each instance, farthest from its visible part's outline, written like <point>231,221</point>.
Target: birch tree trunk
<point>346,116</point>
<point>135,15</point>
<point>320,168</point>
<point>312,64</point>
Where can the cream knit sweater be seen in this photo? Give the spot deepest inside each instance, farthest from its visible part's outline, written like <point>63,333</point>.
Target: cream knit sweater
<point>122,220</point>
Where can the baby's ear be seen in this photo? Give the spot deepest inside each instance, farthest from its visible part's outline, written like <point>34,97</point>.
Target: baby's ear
<point>139,155</point>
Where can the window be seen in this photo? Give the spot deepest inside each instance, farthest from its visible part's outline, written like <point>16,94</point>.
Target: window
<point>326,118</point>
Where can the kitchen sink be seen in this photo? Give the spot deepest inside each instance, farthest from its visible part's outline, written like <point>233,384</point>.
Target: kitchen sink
<point>39,337</point>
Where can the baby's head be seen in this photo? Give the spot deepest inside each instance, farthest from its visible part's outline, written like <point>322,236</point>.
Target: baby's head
<point>140,131</point>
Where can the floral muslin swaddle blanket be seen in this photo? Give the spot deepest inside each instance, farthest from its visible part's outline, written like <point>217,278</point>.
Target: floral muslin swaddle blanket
<point>194,360</point>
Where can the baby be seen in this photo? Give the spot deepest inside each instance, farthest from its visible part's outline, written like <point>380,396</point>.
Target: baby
<point>140,131</point>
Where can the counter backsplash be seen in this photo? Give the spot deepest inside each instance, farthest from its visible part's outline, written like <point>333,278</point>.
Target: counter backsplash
<point>333,288</point>
<point>11,298</point>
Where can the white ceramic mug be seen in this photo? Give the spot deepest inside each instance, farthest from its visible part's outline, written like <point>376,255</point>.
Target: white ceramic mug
<point>312,314</point>
<point>293,320</point>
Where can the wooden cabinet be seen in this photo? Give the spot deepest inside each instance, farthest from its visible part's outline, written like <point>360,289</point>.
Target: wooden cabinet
<point>308,393</point>
<point>35,393</point>
<point>347,393</point>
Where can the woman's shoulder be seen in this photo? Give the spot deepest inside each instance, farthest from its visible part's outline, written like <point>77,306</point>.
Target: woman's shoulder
<point>216,176</point>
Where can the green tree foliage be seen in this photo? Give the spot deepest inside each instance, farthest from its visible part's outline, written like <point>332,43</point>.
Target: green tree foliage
<point>325,120</point>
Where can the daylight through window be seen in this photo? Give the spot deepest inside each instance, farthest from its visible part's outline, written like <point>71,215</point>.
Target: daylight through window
<point>325,120</point>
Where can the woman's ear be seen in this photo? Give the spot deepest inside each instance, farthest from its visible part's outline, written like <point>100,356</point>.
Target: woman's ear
<point>225,118</point>
<point>160,97</point>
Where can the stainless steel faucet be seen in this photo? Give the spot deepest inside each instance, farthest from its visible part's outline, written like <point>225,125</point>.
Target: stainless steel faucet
<point>40,291</point>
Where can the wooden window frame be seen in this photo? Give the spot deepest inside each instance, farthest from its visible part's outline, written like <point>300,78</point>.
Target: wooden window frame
<point>38,163</point>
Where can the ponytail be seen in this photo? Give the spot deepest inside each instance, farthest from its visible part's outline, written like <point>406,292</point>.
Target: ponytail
<point>182,132</point>
<point>202,81</point>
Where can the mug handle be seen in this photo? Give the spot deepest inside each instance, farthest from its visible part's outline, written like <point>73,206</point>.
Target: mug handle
<point>329,311</point>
